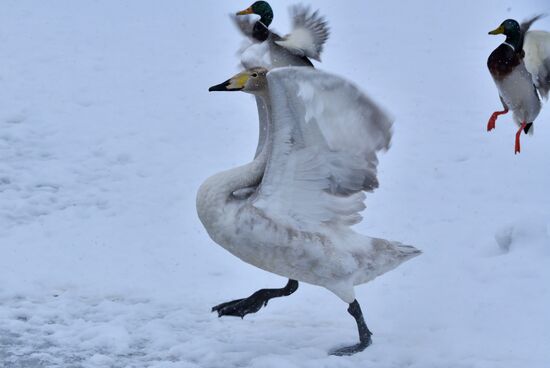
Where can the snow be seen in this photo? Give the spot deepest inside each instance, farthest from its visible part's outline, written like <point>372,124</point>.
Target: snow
<point>107,130</point>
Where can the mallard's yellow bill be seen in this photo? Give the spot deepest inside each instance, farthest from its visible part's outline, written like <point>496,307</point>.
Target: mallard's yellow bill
<point>246,11</point>
<point>499,30</point>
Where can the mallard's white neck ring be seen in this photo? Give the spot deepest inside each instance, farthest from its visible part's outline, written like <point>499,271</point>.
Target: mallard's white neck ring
<point>506,43</point>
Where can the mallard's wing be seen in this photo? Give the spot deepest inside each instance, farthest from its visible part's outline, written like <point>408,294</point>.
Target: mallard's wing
<point>309,33</point>
<point>251,53</point>
<point>525,25</point>
<point>244,23</point>
<point>537,59</point>
<point>325,137</point>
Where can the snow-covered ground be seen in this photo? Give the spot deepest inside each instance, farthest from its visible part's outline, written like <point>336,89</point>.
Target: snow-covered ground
<point>107,130</point>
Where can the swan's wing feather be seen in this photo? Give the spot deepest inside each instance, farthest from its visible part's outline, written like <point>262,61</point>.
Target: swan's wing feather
<point>325,138</point>
<point>537,59</point>
<point>309,33</point>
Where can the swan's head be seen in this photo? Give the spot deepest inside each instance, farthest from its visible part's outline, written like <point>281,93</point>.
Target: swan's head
<point>261,8</point>
<point>253,81</point>
<point>509,27</point>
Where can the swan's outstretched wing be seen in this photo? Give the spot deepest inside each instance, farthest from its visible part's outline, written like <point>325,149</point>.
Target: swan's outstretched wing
<point>309,33</point>
<point>537,59</point>
<point>325,138</point>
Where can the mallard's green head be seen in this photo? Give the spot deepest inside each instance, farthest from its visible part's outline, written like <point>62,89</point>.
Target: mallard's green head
<point>261,8</point>
<point>512,30</point>
<point>509,27</point>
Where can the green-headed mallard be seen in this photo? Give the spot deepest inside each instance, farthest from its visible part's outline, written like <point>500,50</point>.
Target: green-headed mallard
<point>305,190</point>
<point>269,50</point>
<point>520,67</point>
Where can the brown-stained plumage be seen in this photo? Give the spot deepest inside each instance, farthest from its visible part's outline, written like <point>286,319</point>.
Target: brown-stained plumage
<point>503,60</point>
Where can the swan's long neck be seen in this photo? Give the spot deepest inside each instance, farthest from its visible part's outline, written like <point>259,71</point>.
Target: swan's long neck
<point>264,110</point>
<point>216,193</point>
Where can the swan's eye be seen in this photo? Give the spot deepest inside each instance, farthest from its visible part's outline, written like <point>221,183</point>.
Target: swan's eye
<point>254,75</point>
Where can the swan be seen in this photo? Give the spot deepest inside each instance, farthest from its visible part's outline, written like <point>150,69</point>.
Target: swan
<point>520,67</point>
<point>304,191</point>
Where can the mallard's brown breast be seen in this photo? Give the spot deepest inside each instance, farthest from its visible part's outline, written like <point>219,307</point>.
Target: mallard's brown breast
<point>502,61</point>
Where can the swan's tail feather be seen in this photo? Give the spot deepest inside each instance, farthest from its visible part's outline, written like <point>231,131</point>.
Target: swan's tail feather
<point>407,251</point>
<point>384,256</point>
<point>395,250</point>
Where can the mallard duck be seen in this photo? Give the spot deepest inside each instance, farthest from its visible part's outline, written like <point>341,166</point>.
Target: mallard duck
<point>269,50</point>
<point>520,67</point>
<point>304,191</point>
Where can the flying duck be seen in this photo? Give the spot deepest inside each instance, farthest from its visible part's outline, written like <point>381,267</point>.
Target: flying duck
<point>269,50</point>
<point>520,67</point>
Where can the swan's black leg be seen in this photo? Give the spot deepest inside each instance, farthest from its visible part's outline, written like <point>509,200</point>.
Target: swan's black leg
<point>252,304</point>
<point>364,333</point>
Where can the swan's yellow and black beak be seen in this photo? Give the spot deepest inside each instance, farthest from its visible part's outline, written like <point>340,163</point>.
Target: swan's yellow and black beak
<point>235,83</point>
<point>499,30</point>
<point>246,11</point>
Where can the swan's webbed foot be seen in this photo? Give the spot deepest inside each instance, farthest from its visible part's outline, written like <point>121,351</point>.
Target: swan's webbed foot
<point>364,333</point>
<point>350,350</point>
<point>239,307</point>
<point>255,302</point>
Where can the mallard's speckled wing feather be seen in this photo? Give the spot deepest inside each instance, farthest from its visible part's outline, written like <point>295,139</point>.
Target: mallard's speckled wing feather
<point>524,27</point>
<point>245,24</point>
<point>537,59</point>
<point>309,33</point>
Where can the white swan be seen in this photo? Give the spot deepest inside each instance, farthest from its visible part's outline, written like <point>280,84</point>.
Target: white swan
<point>304,190</point>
